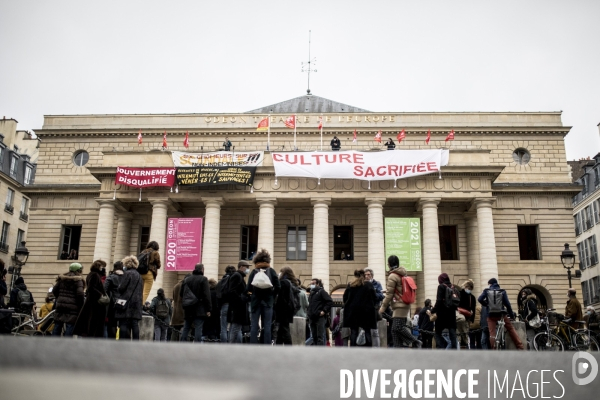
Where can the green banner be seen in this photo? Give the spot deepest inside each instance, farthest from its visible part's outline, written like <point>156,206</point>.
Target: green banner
<point>403,239</point>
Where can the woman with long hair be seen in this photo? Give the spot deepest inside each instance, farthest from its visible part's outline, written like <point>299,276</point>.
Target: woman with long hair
<point>90,322</point>
<point>359,307</point>
<point>285,305</point>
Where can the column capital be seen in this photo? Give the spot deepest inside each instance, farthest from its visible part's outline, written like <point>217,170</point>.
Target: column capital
<point>379,201</point>
<point>320,200</point>
<point>213,201</point>
<point>164,202</point>
<point>266,200</point>
<point>486,202</point>
<point>428,203</point>
<point>469,215</point>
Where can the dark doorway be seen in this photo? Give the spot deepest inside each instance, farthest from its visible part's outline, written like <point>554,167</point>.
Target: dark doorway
<point>343,242</point>
<point>248,242</point>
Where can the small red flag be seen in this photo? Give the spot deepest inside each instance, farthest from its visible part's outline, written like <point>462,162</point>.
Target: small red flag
<point>290,122</point>
<point>428,138</point>
<point>186,141</point>
<point>354,137</point>
<point>450,135</point>
<point>401,136</point>
<point>378,137</point>
<point>165,145</point>
<point>140,137</point>
<point>263,125</point>
<point>321,122</point>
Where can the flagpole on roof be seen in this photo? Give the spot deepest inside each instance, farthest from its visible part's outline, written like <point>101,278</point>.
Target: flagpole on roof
<point>269,132</point>
<point>295,148</point>
<point>321,122</point>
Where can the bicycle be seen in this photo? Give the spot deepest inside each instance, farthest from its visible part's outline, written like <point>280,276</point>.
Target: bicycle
<point>27,324</point>
<point>562,335</point>
<point>500,337</point>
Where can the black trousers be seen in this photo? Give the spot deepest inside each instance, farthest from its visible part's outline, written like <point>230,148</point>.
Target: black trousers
<point>284,335</point>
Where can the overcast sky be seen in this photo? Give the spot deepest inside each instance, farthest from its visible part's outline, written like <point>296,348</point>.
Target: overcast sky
<point>104,57</point>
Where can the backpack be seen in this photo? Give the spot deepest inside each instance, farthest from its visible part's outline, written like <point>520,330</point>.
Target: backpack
<point>223,288</point>
<point>162,309</point>
<point>142,268</point>
<point>452,297</point>
<point>494,300</point>
<point>294,301</point>
<point>188,299</point>
<point>409,290</point>
<point>24,296</point>
<point>261,280</point>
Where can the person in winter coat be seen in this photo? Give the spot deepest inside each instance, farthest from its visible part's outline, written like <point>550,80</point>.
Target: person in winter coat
<point>494,317</point>
<point>238,303</point>
<point>359,302</point>
<point>161,309</point>
<point>303,301</point>
<point>573,309</point>
<point>212,325</point>
<point>426,325</point>
<point>69,292</point>
<point>45,310</point>
<point>390,144</point>
<point>90,322</point>
<point>262,300</point>
<point>153,267</point>
<point>223,303</point>
<point>130,289</point>
<point>111,284</point>
<point>336,329</point>
<point>284,309</point>
<point>3,287</point>
<point>319,306</point>
<point>529,302</point>
<point>466,307</point>
<point>591,319</point>
<point>17,298</point>
<point>446,316</point>
<point>196,313</point>
<point>401,334</point>
<point>177,320</point>
<point>370,276</point>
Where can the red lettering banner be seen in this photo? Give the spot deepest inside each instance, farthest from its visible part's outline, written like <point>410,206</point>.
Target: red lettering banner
<point>145,177</point>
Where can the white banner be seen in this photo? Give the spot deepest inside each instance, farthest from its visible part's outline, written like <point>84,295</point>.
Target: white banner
<point>370,166</point>
<point>218,159</point>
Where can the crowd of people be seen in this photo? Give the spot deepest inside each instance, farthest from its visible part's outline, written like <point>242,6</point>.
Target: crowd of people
<point>254,304</point>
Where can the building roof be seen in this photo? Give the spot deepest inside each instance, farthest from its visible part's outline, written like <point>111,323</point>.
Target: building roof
<point>307,104</point>
<point>578,168</point>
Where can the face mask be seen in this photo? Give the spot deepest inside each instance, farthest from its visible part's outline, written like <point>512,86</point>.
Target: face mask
<point>312,287</point>
<point>124,269</point>
<point>588,312</point>
<point>467,291</point>
<point>247,272</point>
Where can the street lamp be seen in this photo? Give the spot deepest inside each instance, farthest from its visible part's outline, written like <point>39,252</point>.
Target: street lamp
<point>568,261</point>
<point>20,258</point>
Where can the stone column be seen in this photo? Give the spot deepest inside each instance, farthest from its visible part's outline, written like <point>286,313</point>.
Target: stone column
<point>104,232</point>
<point>375,240</point>
<point>488,263</point>
<point>158,233</point>
<point>473,265</point>
<point>432,263</point>
<point>266,226</point>
<point>212,232</point>
<point>123,240</point>
<point>320,245</point>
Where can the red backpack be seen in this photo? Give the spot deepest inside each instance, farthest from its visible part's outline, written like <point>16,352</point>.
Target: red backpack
<point>409,290</point>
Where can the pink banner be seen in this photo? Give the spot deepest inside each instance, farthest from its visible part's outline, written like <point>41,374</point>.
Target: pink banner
<point>184,244</point>
<point>145,177</point>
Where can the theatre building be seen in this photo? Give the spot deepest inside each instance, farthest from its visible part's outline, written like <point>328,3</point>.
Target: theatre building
<point>495,201</point>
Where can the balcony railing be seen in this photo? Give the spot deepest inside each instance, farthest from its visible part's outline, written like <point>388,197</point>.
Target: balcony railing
<point>9,208</point>
<point>4,247</point>
<point>24,217</point>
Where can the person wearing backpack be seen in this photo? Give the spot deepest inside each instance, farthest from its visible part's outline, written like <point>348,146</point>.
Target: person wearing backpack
<point>238,302</point>
<point>370,276</point>
<point>286,306</point>
<point>262,297</point>
<point>19,295</point>
<point>197,306</point>
<point>496,299</point>
<point>161,309</point>
<point>446,301</point>
<point>319,306</point>
<point>110,287</point>
<point>223,301</point>
<point>395,295</point>
<point>148,266</point>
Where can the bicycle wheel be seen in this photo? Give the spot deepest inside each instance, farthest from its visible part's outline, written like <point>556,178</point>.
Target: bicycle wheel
<point>594,346</point>
<point>541,342</point>
<point>581,341</point>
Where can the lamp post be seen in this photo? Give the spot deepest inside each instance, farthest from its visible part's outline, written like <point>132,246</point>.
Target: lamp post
<point>567,258</point>
<point>20,258</point>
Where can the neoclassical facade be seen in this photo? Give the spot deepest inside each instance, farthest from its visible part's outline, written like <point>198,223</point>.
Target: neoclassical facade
<point>500,208</point>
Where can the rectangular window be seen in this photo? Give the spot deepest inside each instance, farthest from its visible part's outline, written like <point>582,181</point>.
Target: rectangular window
<point>296,243</point>
<point>4,237</point>
<point>585,293</point>
<point>24,207</point>
<point>14,166</point>
<point>578,229</point>
<point>343,243</point>
<point>71,237</point>
<point>593,250</point>
<point>586,254</point>
<point>248,242</point>
<point>596,292</point>
<point>589,218</point>
<point>448,242</point>
<point>144,238</point>
<point>581,256</point>
<point>10,197</point>
<point>596,211</point>
<point>528,242</point>
<point>28,174</point>
<point>20,237</point>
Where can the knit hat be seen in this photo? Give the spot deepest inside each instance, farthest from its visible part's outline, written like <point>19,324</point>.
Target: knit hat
<point>75,267</point>
<point>493,281</point>
<point>19,281</point>
<point>443,278</point>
